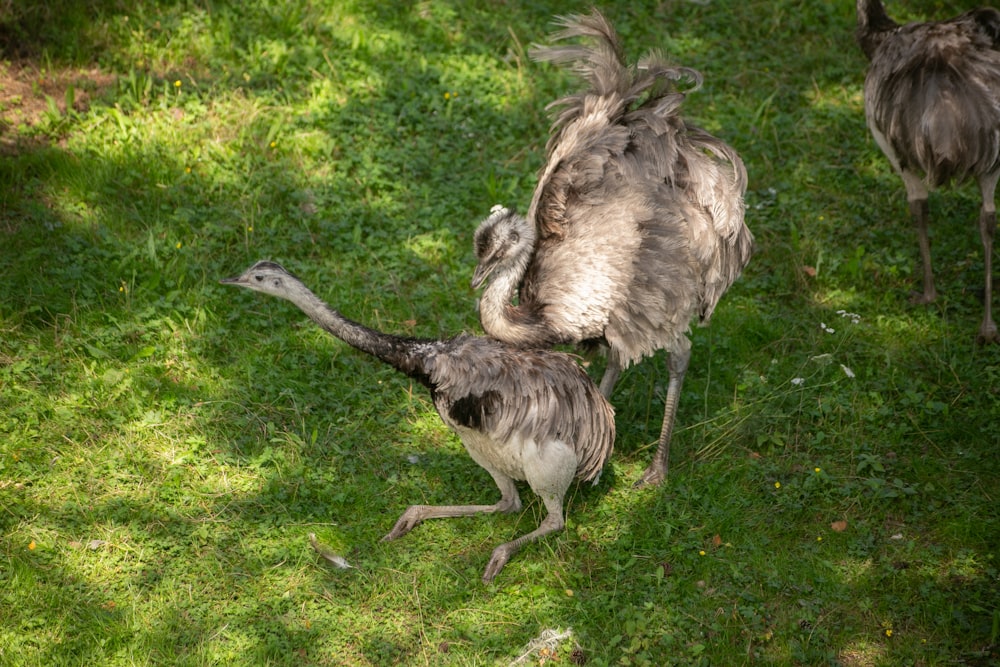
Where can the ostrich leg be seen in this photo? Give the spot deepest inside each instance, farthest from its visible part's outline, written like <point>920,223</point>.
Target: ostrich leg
<point>552,522</point>
<point>987,229</point>
<point>549,476</point>
<point>510,501</point>
<point>677,365</point>
<point>916,195</point>
<point>919,213</point>
<point>612,371</point>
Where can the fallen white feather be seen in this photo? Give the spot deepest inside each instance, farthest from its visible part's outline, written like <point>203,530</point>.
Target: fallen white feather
<point>548,641</point>
<point>328,553</point>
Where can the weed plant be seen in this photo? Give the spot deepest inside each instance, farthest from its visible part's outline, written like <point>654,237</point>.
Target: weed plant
<point>167,445</point>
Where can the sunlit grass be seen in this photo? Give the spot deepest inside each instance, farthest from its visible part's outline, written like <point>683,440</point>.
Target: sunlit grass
<point>168,445</point>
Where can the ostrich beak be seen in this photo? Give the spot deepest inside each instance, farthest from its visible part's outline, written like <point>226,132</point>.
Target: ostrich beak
<point>232,280</point>
<point>482,272</point>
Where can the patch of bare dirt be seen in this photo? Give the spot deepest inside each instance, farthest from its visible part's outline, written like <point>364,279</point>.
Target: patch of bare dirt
<point>25,91</point>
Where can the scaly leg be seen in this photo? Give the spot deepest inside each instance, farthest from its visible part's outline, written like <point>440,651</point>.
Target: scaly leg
<point>611,373</point>
<point>916,195</point>
<point>987,227</point>
<point>509,501</point>
<point>919,213</point>
<point>549,469</point>
<point>552,522</point>
<point>677,364</point>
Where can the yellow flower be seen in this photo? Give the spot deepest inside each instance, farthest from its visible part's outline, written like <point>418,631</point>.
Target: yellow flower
<point>273,144</point>
<point>816,469</point>
<point>187,170</point>
<point>777,485</point>
<point>888,632</point>
<point>819,539</point>
<point>31,545</point>
<point>177,83</point>
<point>250,228</point>
<point>701,553</point>
<point>447,95</point>
<point>178,245</point>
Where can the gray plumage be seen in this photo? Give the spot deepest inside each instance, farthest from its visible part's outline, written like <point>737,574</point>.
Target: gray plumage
<point>635,227</point>
<point>531,415</point>
<point>932,102</point>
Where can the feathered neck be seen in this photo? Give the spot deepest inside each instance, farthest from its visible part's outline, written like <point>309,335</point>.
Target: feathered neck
<point>519,323</point>
<point>873,25</point>
<point>402,353</point>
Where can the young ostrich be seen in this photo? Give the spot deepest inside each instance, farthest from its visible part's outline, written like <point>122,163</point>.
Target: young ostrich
<point>531,415</point>
<point>932,102</point>
<point>635,227</point>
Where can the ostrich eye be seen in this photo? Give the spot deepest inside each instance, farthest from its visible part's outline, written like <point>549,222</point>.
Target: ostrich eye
<point>514,237</point>
<point>259,278</point>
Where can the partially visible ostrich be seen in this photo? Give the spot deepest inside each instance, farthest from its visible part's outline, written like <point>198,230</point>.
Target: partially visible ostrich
<point>531,415</point>
<point>635,227</point>
<point>932,102</point>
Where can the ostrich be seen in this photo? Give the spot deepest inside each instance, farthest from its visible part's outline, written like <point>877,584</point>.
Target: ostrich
<point>635,227</point>
<point>530,415</point>
<point>932,102</point>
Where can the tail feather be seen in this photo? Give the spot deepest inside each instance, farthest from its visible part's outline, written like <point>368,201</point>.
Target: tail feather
<point>592,126</point>
<point>601,63</point>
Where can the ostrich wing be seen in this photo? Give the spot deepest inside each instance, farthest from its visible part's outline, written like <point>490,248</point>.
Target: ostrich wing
<point>507,392</point>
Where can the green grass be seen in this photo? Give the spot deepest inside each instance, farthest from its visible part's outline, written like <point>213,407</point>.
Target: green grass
<point>167,444</point>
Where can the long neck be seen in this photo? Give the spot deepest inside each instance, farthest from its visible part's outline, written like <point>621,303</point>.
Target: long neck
<point>873,24</point>
<point>521,324</point>
<point>403,354</point>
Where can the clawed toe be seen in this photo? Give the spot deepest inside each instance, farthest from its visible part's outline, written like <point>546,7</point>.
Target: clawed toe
<point>399,530</point>
<point>988,336</point>
<point>500,557</point>
<point>650,478</point>
<point>406,523</point>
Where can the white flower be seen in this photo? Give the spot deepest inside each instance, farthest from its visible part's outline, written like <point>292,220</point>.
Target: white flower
<point>847,371</point>
<point>798,381</point>
<point>853,317</point>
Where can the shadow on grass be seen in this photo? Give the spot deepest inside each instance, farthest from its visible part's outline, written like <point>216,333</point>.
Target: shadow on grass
<point>228,573</point>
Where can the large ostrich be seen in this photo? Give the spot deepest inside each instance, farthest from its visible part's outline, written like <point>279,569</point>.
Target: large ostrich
<point>635,227</point>
<point>932,102</point>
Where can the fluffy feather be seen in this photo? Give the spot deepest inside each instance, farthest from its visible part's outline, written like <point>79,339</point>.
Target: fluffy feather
<point>635,228</point>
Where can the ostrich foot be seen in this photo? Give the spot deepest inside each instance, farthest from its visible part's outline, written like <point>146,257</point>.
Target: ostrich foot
<point>652,477</point>
<point>410,519</point>
<point>923,298</point>
<point>499,558</point>
<point>988,334</point>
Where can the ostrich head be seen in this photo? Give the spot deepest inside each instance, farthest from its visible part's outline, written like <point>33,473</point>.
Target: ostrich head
<point>267,277</point>
<point>504,241</point>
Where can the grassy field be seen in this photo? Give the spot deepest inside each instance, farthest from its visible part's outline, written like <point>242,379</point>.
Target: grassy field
<point>167,444</point>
